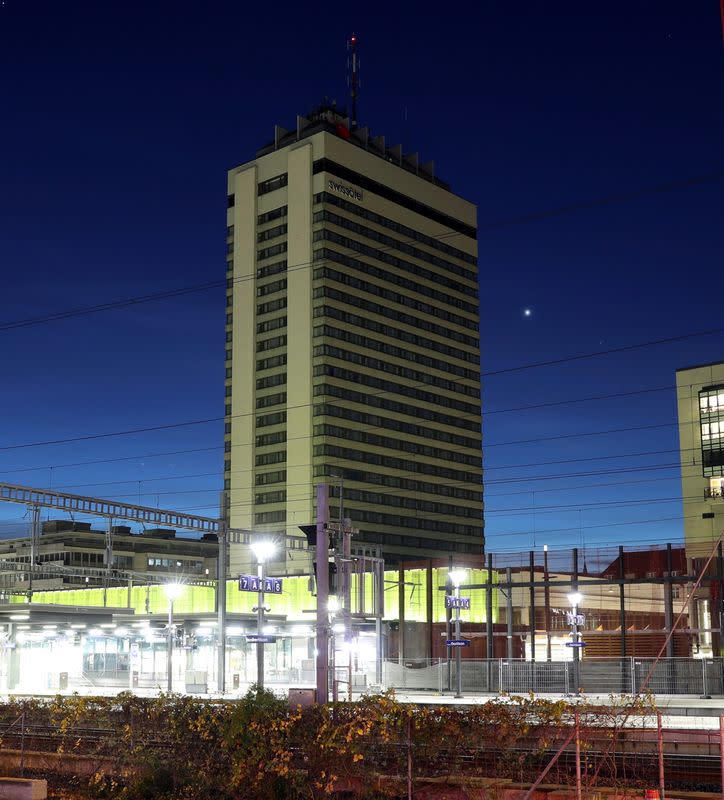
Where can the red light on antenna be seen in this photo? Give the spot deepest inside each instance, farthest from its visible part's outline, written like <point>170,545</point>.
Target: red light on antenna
<point>353,39</point>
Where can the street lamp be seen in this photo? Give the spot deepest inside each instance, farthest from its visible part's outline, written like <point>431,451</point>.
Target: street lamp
<point>173,592</point>
<point>457,576</point>
<point>575,598</point>
<point>263,550</point>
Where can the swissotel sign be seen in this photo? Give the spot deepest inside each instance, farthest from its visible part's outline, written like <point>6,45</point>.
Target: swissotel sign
<point>347,191</point>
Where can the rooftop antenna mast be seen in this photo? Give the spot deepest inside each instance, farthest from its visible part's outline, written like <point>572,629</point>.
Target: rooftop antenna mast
<point>353,77</point>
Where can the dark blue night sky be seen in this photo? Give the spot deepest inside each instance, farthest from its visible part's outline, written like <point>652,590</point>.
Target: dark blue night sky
<point>118,122</point>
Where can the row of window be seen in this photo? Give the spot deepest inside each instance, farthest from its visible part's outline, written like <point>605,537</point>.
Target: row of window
<point>422,542</point>
<point>278,496</point>
<point>266,478</point>
<point>268,517</point>
<point>269,252</point>
<point>375,401</point>
<point>271,344</point>
<point>272,269</point>
<point>396,244</point>
<point>403,372</point>
<point>277,457</point>
<point>391,462</point>
<point>395,333</point>
<point>266,420</point>
<point>415,321</point>
<point>278,437</point>
<point>360,285</point>
<point>372,270</point>
<point>271,325</point>
<point>391,424</point>
<point>272,184</point>
<point>411,503</point>
<point>381,347</point>
<point>403,445</point>
<point>277,379</point>
<point>271,400</point>
<point>271,233</point>
<point>364,182</point>
<point>270,216</point>
<point>172,563</point>
<point>387,258</point>
<point>397,388</point>
<point>271,288</point>
<point>385,222</point>
<point>422,524</point>
<point>271,305</point>
<point>395,482</point>
<point>272,362</point>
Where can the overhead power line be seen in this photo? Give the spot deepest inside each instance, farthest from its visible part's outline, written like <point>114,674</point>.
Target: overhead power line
<point>606,200</point>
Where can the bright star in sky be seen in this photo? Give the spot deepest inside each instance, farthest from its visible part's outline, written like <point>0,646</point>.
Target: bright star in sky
<point>527,312</point>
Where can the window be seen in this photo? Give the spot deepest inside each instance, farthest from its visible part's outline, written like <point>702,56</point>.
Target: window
<point>271,288</point>
<point>269,216</point>
<point>711,418</point>
<point>271,400</point>
<point>230,200</point>
<point>274,250</point>
<point>271,233</point>
<point>278,379</point>
<point>271,325</point>
<point>271,344</point>
<point>272,362</point>
<point>272,269</point>
<point>271,305</point>
<point>277,457</point>
<point>276,418</point>
<point>271,185</point>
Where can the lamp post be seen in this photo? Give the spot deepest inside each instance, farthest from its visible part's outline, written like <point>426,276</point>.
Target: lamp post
<point>173,592</point>
<point>457,576</point>
<point>263,549</point>
<point>575,598</point>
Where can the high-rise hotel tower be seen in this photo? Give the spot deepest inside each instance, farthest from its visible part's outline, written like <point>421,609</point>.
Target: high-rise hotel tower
<point>352,345</point>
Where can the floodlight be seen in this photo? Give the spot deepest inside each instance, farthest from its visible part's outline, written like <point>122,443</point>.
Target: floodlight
<point>574,598</point>
<point>173,590</point>
<point>263,549</point>
<point>457,576</point>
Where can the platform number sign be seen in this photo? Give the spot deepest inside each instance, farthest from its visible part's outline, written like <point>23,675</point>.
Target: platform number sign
<point>250,583</point>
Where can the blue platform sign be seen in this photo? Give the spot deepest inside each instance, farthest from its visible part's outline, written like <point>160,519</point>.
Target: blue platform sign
<point>456,602</point>
<point>250,583</point>
<point>575,644</point>
<point>457,643</point>
<point>253,638</point>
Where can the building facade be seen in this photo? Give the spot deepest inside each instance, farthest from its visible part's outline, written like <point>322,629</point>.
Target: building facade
<point>352,346</point>
<point>700,400</point>
<point>71,544</point>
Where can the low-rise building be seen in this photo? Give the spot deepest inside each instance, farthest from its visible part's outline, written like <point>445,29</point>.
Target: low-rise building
<point>71,544</point>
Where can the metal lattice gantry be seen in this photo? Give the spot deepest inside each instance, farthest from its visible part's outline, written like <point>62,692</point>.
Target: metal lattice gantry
<point>98,507</point>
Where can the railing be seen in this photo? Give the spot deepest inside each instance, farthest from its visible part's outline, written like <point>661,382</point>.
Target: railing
<point>674,676</point>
